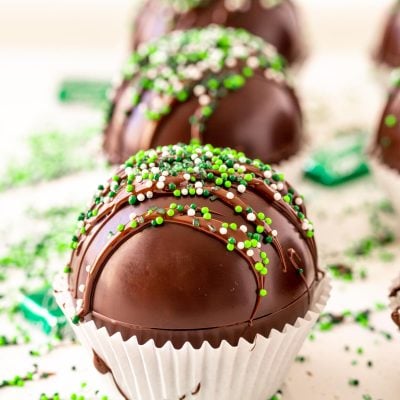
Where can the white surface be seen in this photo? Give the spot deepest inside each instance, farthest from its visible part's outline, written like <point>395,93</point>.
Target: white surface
<point>339,89</point>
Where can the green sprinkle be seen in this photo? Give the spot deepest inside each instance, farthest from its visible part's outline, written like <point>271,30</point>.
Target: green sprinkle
<point>238,209</point>
<point>170,212</point>
<point>159,220</point>
<point>258,266</point>
<point>230,247</point>
<point>129,188</point>
<point>133,224</point>
<point>390,121</point>
<point>260,229</point>
<point>263,292</point>
<point>120,227</point>
<point>177,193</point>
<point>205,210</point>
<point>233,226</point>
<point>132,200</point>
<point>207,216</point>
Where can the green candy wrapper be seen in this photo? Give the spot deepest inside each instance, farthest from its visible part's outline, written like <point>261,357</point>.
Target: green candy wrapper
<point>40,308</point>
<point>87,92</point>
<point>343,159</point>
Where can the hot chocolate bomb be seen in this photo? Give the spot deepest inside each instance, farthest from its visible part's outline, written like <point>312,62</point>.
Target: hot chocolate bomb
<point>276,21</point>
<point>387,147</point>
<point>216,85</point>
<point>190,244</point>
<point>388,50</point>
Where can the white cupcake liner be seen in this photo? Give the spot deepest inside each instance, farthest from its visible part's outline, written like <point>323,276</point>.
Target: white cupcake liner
<point>253,371</point>
<point>388,179</point>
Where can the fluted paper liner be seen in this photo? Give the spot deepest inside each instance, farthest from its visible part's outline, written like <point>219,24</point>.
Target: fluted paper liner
<point>389,179</point>
<point>252,371</point>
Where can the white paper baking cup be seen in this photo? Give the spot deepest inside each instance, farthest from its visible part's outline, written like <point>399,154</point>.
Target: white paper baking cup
<point>388,179</point>
<point>252,371</point>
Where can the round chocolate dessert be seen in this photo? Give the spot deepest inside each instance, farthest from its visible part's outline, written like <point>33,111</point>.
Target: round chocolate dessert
<point>190,243</point>
<point>395,302</point>
<point>387,146</point>
<point>276,21</point>
<point>388,50</point>
<point>215,85</point>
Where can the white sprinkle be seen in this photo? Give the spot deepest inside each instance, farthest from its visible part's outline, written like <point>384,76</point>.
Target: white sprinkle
<point>141,197</point>
<point>87,268</point>
<point>209,154</point>
<point>81,287</point>
<point>223,231</point>
<point>277,196</point>
<point>161,178</point>
<point>132,216</point>
<point>191,212</point>
<point>160,185</point>
<point>165,173</point>
<point>199,90</point>
<point>280,186</point>
<point>299,201</point>
<point>274,233</point>
<point>198,184</point>
<point>250,253</point>
<point>194,156</point>
<point>305,226</point>
<point>138,179</point>
<point>267,174</point>
<point>243,228</point>
<point>230,195</point>
<point>251,217</point>
<point>241,188</point>
<point>149,194</point>
<point>184,192</point>
<point>240,245</point>
<point>199,191</point>
<point>204,100</point>
<point>80,224</point>
<point>274,186</point>
<point>186,177</point>
<point>253,62</point>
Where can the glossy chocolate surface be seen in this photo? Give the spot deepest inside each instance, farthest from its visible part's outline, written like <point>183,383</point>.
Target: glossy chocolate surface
<point>263,117</point>
<point>387,146</point>
<point>388,50</point>
<point>183,280</point>
<point>278,25</point>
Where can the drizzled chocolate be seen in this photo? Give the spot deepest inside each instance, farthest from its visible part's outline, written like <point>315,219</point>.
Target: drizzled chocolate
<point>388,49</point>
<point>193,243</point>
<point>387,145</point>
<point>216,85</point>
<point>276,21</point>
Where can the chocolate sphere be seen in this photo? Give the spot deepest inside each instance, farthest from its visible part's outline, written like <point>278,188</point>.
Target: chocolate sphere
<point>388,51</point>
<point>395,303</point>
<point>215,85</point>
<point>191,243</point>
<point>276,21</point>
<point>387,146</point>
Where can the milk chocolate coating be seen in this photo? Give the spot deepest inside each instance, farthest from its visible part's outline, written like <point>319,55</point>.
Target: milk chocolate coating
<point>388,50</point>
<point>263,119</point>
<point>278,25</point>
<point>388,136</point>
<point>179,283</point>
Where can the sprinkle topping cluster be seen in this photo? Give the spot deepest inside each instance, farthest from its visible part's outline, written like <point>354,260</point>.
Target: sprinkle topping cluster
<point>186,172</point>
<point>202,63</point>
